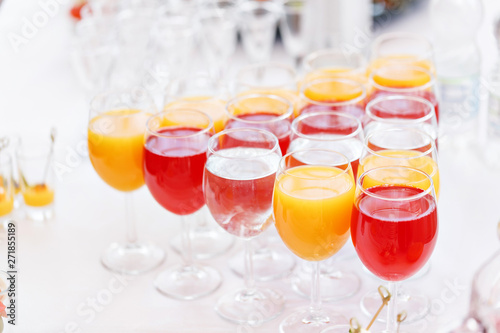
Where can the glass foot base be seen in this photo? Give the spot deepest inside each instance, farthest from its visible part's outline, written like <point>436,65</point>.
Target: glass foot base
<point>39,214</point>
<point>334,285</point>
<point>206,243</point>
<point>306,322</point>
<point>132,259</point>
<point>416,305</point>
<point>243,307</point>
<point>188,282</point>
<point>270,263</point>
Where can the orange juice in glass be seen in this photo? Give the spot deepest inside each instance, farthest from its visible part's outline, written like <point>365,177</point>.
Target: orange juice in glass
<point>402,49</point>
<point>269,79</point>
<point>400,147</point>
<point>334,63</point>
<point>312,206</point>
<point>6,186</point>
<point>116,140</point>
<point>116,128</point>
<point>333,94</point>
<point>212,106</point>
<point>200,92</point>
<point>35,158</point>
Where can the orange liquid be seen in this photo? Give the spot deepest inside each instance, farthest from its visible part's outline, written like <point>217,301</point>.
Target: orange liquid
<point>214,107</point>
<point>290,95</point>
<point>6,202</point>
<point>312,210</point>
<point>38,195</point>
<point>116,140</point>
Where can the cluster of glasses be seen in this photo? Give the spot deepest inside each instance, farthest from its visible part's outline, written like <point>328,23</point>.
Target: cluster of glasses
<point>348,149</point>
<point>120,44</point>
<point>27,178</point>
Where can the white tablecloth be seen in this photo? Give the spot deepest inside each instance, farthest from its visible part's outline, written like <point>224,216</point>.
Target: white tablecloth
<point>60,275</point>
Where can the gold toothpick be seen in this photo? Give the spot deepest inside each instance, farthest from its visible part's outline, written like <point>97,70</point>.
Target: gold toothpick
<point>386,297</point>
<point>401,317</point>
<point>355,326</point>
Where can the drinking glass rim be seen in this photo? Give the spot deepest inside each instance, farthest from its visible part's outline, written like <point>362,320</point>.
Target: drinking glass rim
<point>319,53</point>
<point>413,197</point>
<point>281,166</point>
<point>43,150</point>
<point>151,132</point>
<point>432,79</point>
<point>146,98</point>
<point>294,125</point>
<point>263,66</point>
<point>236,99</point>
<point>379,99</point>
<point>216,137</point>
<point>401,34</point>
<point>394,129</point>
<point>325,80</point>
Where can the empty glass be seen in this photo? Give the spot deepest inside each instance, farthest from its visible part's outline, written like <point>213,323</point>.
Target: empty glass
<point>218,30</point>
<point>258,22</point>
<point>293,29</point>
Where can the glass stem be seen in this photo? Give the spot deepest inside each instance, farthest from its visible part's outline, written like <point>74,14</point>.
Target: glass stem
<point>249,273</point>
<point>129,219</point>
<point>392,310</point>
<point>187,249</point>
<point>315,290</point>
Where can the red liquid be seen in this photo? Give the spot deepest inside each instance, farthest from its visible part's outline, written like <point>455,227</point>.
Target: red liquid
<point>403,108</point>
<point>173,169</point>
<point>266,121</point>
<point>356,110</point>
<point>394,239</point>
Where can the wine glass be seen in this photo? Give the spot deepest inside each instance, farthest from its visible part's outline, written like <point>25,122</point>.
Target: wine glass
<point>402,48</point>
<point>274,114</point>
<point>265,111</point>
<point>115,139</point>
<point>201,92</point>
<point>175,149</point>
<point>7,190</point>
<point>344,134</point>
<point>401,147</point>
<point>268,78</point>
<point>294,29</point>
<point>258,21</point>
<point>404,80</point>
<point>401,111</point>
<point>394,225</point>
<point>218,32</point>
<point>334,63</point>
<point>312,205</point>
<point>333,94</point>
<point>238,184</point>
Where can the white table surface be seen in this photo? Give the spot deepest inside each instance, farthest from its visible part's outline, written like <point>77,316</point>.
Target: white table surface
<point>59,268</point>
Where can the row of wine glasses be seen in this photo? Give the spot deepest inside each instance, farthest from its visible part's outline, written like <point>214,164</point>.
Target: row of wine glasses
<point>203,150</point>
<point>173,157</point>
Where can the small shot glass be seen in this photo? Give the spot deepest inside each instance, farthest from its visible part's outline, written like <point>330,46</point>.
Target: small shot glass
<point>35,158</point>
<point>6,188</point>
